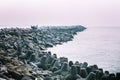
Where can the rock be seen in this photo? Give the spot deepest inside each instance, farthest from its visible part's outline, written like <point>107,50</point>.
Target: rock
<point>24,69</point>
<point>95,67</point>
<point>2,79</point>
<point>106,73</point>
<point>89,69</point>
<point>99,74</point>
<point>15,74</point>
<point>49,58</point>
<point>105,77</point>
<point>83,73</point>
<point>54,56</point>
<point>56,64</point>
<point>64,69</point>
<point>63,59</point>
<point>77,63</point>
<point>65,66</point>
<point>91,76</point>
<point>112,76</point>
<point>2,52</point>
<point>70,63</point>
<point>73,74</point>
<point>53,69</point>
<point>78,69</point>
<point>34,28</point>
<point>117,76</point>
<point>48,78</point>
<point>26,78</point>
<point>84,65</point>
<point>33,58</point>
<point>43,63</point>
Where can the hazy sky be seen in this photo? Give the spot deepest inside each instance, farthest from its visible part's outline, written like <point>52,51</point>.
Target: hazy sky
<point>60,12</point>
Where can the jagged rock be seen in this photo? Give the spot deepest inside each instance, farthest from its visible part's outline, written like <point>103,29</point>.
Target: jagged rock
<point>84,65</point>
<point>70,63</point>
<point>64,69</point>
<point>117,76</point>
<point>33,58</point>
<point>105,77</point>
<point>73,74</point>
<point>15,74</point>
<point>83,73</point>
<point>63,59</point>
<point>2,52</point>
<point>2,79</point>
<point>26,78</point>
<point>91,76</point>
<point>95,67</point>
<point>112,76</point>
<point>48,78</point>
<point>43,63</point>
<point>65,66</point>
<point>77,63</point>
<point>78,69</point>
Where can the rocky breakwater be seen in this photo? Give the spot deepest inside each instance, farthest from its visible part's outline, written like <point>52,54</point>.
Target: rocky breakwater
<point>23,56</point>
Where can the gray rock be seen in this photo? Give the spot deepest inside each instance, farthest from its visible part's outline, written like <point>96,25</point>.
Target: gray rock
<point>73,74</point>
<point>65,66</point>
<point>84,65</point>
<point>63,59</point>
<point>32,58</point>
<point>91,76</point>
<point>83,73</point>
<point>118,76</point>
<point>71,63</point>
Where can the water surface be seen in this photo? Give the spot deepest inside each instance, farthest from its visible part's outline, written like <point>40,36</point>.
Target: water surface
<point>95,45</point>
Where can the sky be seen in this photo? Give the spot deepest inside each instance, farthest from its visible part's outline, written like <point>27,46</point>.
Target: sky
<point>60,12</point>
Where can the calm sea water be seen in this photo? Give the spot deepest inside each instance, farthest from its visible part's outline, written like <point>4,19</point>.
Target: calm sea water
<point>95,45</point>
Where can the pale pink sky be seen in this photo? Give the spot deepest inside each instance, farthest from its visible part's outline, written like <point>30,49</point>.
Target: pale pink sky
<point>60,12</point>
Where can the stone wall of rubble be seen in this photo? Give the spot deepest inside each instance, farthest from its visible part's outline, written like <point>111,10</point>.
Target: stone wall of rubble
<point>23,56</point>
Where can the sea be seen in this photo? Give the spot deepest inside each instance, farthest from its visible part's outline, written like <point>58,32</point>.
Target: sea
<point>95,45</point>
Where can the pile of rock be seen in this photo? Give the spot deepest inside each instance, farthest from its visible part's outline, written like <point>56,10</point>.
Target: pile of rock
<point>49,67</point>
<point>23,56</point>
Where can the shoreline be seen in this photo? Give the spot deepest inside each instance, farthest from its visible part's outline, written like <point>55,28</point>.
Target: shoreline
<point>23,53</point>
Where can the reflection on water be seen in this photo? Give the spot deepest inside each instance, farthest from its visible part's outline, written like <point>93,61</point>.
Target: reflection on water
<point>99,46</point>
